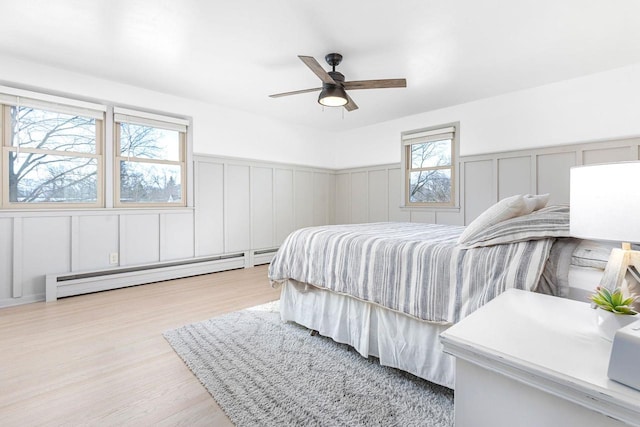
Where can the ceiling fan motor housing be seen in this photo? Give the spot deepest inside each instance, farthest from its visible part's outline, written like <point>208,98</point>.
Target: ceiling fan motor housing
<point>337,76</point>
<point>333,59</point>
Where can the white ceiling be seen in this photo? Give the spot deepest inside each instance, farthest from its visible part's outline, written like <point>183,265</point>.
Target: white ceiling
<point>236,53</point>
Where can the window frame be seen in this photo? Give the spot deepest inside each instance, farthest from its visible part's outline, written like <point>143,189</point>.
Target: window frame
<point>141,118</point>
<point>9,99</point>
<point>420,136</point>
<point>108,183</point>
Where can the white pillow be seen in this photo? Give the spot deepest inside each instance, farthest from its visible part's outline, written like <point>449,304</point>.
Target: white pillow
<point>548,222</point>
<point>540,200</point>
<point>508,208</point>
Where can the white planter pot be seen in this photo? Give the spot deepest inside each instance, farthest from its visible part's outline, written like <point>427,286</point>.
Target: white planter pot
<point>608,323</point>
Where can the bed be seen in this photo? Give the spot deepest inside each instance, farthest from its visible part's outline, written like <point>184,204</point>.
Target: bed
<point>389,289</point>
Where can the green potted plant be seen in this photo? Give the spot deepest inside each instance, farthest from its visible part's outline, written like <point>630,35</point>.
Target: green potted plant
<point>615,310</point>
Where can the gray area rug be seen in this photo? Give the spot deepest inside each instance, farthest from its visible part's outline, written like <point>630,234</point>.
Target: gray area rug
<point>264,372</point>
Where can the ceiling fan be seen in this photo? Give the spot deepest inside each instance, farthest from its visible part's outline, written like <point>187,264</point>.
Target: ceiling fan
<point>333,91</point>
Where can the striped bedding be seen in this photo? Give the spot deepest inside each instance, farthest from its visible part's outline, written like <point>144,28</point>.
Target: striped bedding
<point>414,269</point>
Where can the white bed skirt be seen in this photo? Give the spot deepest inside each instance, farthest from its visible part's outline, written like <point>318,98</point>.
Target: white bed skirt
<point>397,340</point>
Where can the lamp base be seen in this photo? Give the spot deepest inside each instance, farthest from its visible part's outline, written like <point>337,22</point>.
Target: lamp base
<point>619,262</point>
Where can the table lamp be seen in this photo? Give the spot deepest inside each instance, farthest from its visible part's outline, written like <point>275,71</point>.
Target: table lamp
<point>605,205</point>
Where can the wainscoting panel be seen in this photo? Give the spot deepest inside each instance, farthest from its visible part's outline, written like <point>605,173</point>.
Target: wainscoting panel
<point>553,175</point>
<point>283,204</point>
<point>449,218</point>
<point>96,237</point>
<point>244,205</point>
<point>343,198</point>
<point>46,248</point>
<point>427,217</point>
<point>394,198</point>
<point>209,212</point>
<point>378,195</point>
<point>262,202</point>
<point>514,176</point>
<point>303,198</point>
<point>484,179</point>
<point>262,213</point>
<point>6,257</point>
<point>139,239</point>
<point>176,236</point>
<point>479,187</point>
<point>237,204</point>
<point>359,197</point>
<point>608,155</point>
<point>323,205</point>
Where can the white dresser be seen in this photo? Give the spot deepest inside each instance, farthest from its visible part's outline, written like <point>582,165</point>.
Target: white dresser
<point>526,359</point>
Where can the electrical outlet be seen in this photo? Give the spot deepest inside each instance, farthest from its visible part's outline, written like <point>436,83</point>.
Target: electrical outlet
<point>113,258</point>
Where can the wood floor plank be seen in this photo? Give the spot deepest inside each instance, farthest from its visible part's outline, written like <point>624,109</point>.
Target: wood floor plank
<point>100,359</point>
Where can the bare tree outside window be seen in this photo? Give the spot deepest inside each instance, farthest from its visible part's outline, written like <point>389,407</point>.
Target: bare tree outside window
<point>150,164</point>
<point>53,157</point>
<point>429,174</point>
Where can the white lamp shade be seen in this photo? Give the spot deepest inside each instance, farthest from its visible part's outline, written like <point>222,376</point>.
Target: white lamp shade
<point>605,202</point>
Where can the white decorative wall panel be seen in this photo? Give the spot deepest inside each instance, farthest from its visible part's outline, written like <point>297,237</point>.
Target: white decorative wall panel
<point>395,196</point>
<point>6,257</point>
<point>255,205</point>
<point>514,176</point>
<point>176,236</point>
<point>209,208</point>
<point>479,191</point>
<point>46,248</point>
<point>607,155</point>
<point>96,237</point>
<point>262,208</point>
<point>343,198</point>
<point>321,199</point>
<point>378,195</point>
<point>139,239</point>
<point>303,198</point>
<point>423,216</point>
<point>485,179</point>
<point>237,213</point>
<point>359,197</point>
<point>283,201</point>
<point>553,175</point>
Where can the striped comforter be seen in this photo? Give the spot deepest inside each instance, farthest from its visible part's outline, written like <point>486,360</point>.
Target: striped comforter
<point>415,269</point>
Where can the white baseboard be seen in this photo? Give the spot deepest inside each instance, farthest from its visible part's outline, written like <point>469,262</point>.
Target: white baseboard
<point>10,302</point>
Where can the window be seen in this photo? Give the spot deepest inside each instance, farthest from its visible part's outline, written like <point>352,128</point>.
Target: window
<point>51,153</point>
<point>150,159</point>
<point>429,159</point>
<point>57,152</point>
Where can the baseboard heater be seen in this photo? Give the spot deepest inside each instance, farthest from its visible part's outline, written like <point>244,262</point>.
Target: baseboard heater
<point>264,256</point>
<point>69,284</point>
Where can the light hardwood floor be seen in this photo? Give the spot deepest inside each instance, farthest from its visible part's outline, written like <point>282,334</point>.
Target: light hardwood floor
<point>100,359</point>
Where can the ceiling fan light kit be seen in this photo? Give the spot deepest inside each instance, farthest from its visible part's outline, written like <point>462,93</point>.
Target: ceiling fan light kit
<point>332,92</point>
<point>332,96</point>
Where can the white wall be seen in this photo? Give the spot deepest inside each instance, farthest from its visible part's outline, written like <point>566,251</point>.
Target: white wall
<point>601,106</point>
<point>216,130</point>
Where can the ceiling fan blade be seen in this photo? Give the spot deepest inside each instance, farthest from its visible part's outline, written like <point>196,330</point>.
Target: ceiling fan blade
<point>375,84</point>
<point>317,69</point>
<point>295,92</point>
<point>350,106</point>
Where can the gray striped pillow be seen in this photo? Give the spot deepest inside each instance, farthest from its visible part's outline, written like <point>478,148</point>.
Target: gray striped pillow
<point>552,221</point>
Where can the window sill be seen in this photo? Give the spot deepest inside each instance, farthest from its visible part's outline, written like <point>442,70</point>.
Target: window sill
<point>9,213</point>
